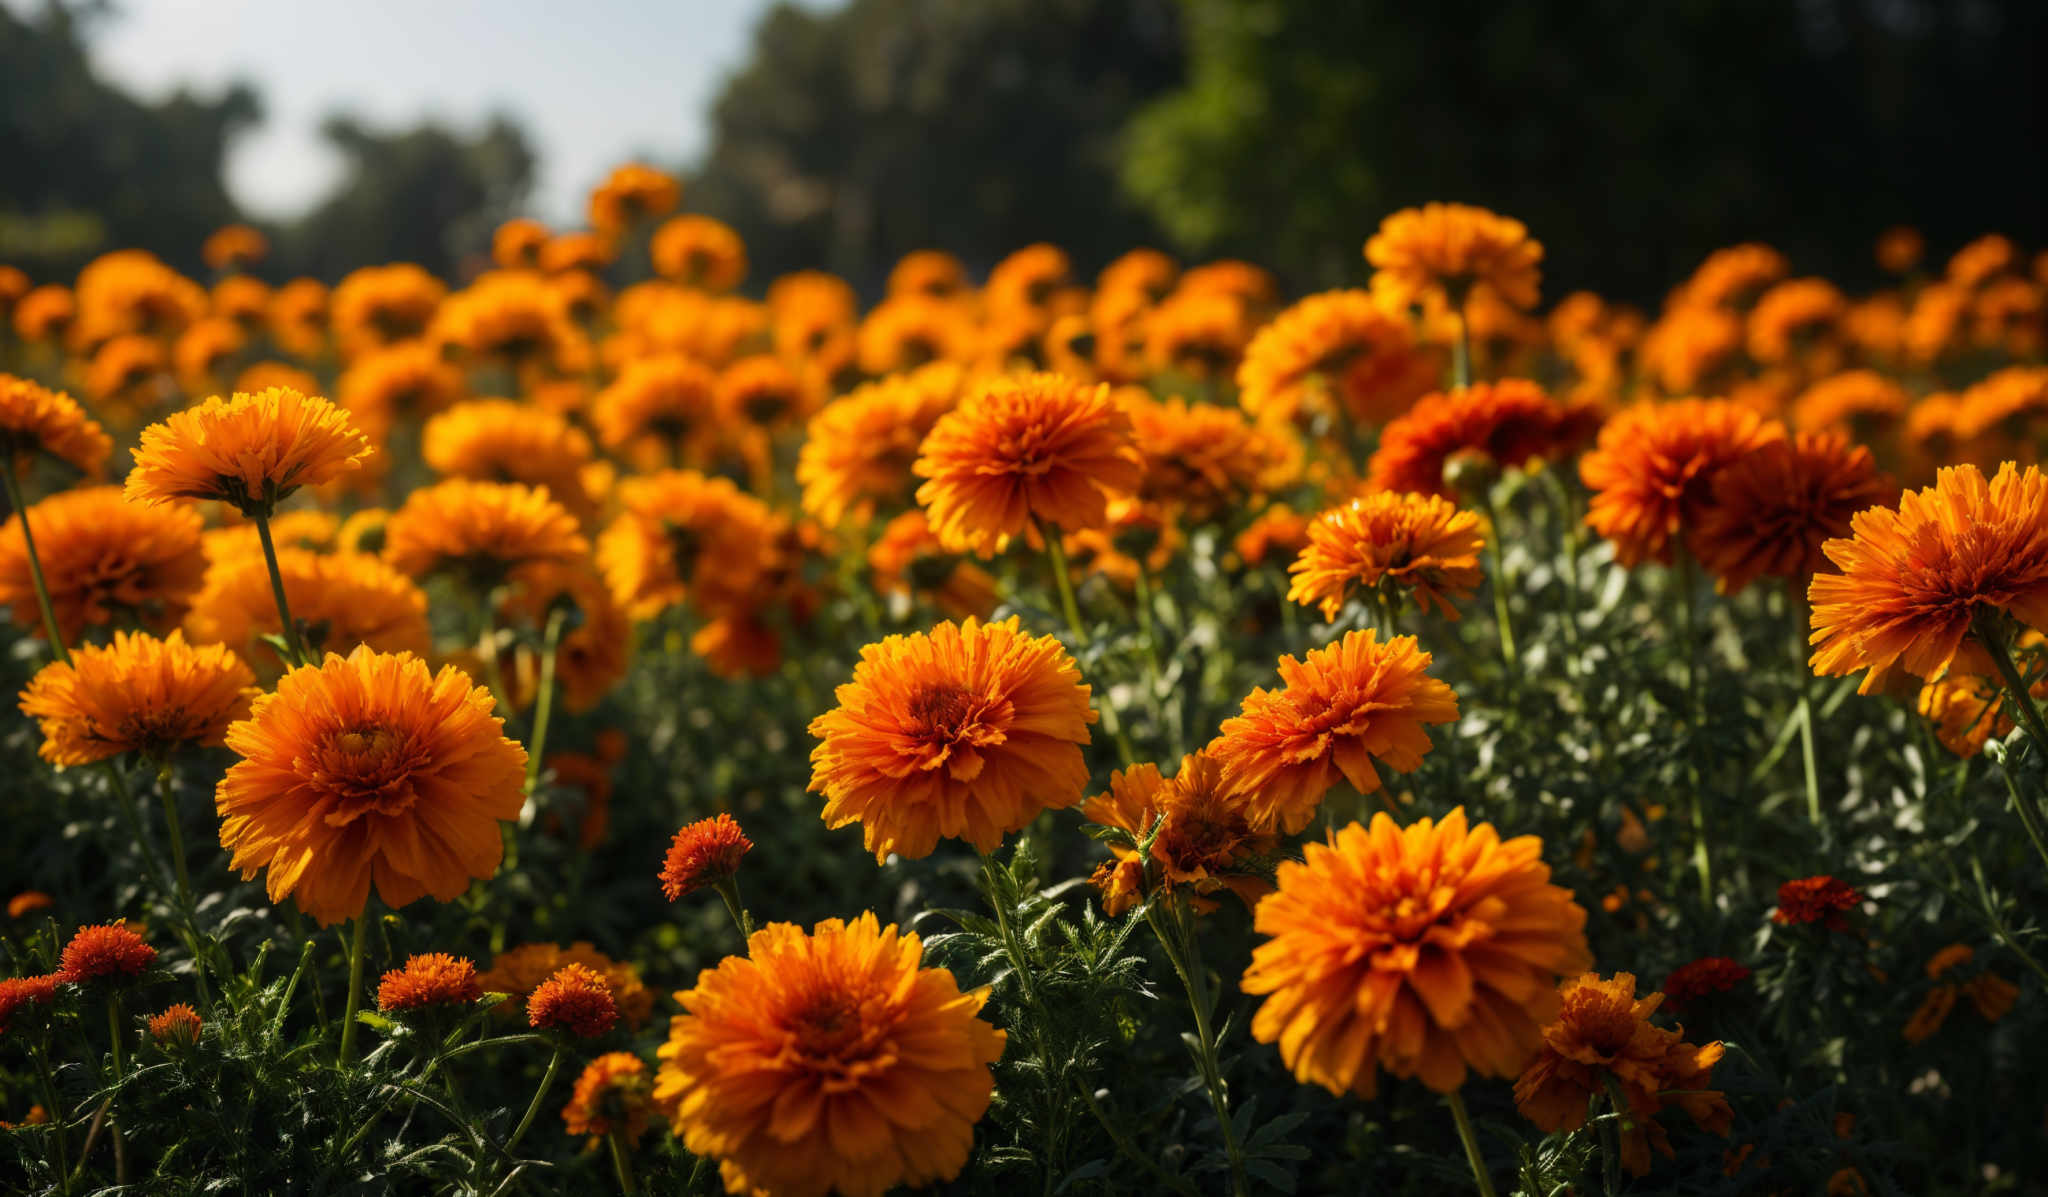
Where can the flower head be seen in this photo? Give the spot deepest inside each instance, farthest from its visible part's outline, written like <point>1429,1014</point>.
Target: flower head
<point>339,600</point>
<point>1822,899</point>
<point>504,440</point>
<point>251,450</point>
<point>104,559</point>
<point>1914,579</point>
<point>1420,544</point>
<point>1205,838</point>
<point>368,767</point>
<point>1441,252</point>
<point>27,902</point>
<point>1339,353</point>
<point>35,419</point>
<point>858,450</point>
<point>576,999</point>
<point>698,251</point>
<point>968,731</point>
<point>483,532</point>
<point>108,952</point>
<point>178,1026</point>
<point>1697,980</point>
<point>1652,473</point>
<point>1774,508</point>
<point>837,1040</point>
<point>682,535</point>
<point>632,193</point>
<point>522,969</point>
<point>1424,951</point>
<point>1340,708</point>
<point>1509,423</point>
<point>1603,1036</point>
<point>22,993</point>
<point>707,852</point>
<point>1031,449</point>
<point>139,694</point>
<point>1205,459</point>
<point>431,979</point>
<point>615,1093</point>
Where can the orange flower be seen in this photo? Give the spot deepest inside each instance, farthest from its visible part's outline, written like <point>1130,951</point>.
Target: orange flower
<point>1932,1012</point>
<point>1652,474</point>
<point>503,440</point>
<point>1346,704</point>
<point>1857,401</point>
<point>520,971</point>
<point>905,332</point>
<point>1968,710</point>
<point>381,305</point>
<point>515,244</point>
<point>45,314</point>
<point>1203,458</point>
<point>251,450</point>
<point>35,419</point>
<point>858,450</point>
<point>1603,1037</point>
<point>140,694</point>
<point>632,193</point>
<point>1992,995</point>
<point>298,317</point>
<point>340,600</point>
<point>1795,309</point>
<point>907,558</point>
<point>232,246</point>
<point>28,901</point>
<point>698,251</point>
<point>1510,423</point>
<point>178,1026</point>
<point>668,401</point>
<point>967,732</point>
<point>1914,579</point>
<point>109,952</point>
<point>1031,449</point>
<point>368,768</point>
<point>1774,508</point>
<point>1899,248</point>
<point>682,535</point>
<point>1441,252</point>
<point>1696,980</point>
<point>593,654</point>
<point>1206,840</point>
<point>20,993</point>
<point>432,979</point>
<point>104,559</point>
<point>1732,277</point>
<point>613,1095</point>
<point>1279,532</point>
<point>483,532</point>
<point>926,272</point>
<point>837,1040</point>
<point>406,381</point>
<point>1822,899</point>
<point>1424,951</point>
<point>1420,544</point>
<point>576,999</point>
<point>705,853</point>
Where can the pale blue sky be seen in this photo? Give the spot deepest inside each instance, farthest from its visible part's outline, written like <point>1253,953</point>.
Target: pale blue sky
<point>593,81</point>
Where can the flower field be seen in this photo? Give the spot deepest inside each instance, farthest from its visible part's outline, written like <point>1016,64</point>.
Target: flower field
<point>613,723</point>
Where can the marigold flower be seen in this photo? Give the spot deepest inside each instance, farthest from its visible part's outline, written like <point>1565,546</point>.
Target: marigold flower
<point>1203,458</point>
<point>615,1093</point>
<point>838,1040</point>
<point>521,970</point>
<point>1856,401</point>
<point>44,314</point>
<point>251,450</point>
<point>966,732</point>
<point>1992,995</point>
<point>381,305</point>
<point>20,993</point>
<point>107,952</point>
<point>761,391</point>
<point>1652,473</point>
<point>858,450</point>
<point>1031,449</point>
<point>926,272</point>
<point>1420,544</point>
<point>670,400</point>
<point>35,419</point>
<point>483,532</point>
<point>1732,276</point>
<point>340,600</point>
<point>178,1026</point>
<point>1206,841</point>
<point>1774,508</point>
<point>404,381</point>
<point>1201,334</point>
<point>104,559</point>
<point>1424,951</point>
<point>1899,248</point>
<point>367,767</point>
<point>232,246</point>
<point>1821,899</point>
<point>1967,710</point>
<point>706,852</point>
<point>576,999</point>
<point>298,317</point>
<point>515,244</point>
<point>503,440</point>
<point>1344,705</point>
<point>1914,579</point>
<point>682,535</point>
<point>139,694</point>
<point>1697,980</point>
<point>1929,1016</point>
<point>697,251</point>
<point>1509,423</point>
<point>1279,532</point>
<point>1441,252</point>
<point>576,251</point>
<point>431,979</point>
<point>28,901</point>
<point>1603,1036</point>
<point>591,658</point>
<point>630,194</point>
<point>907,558</point>
<point>1791,310</point>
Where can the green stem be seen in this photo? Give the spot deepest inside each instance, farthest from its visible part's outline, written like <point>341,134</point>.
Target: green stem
<point>729,891</point>
<point>1056,552</point>
<point>1803,679</point>
<point>284,607</point>
<point>621,1167</point>
<point>166,789</point>
<point>35,566</point>
<point>355,986</point>
<point>1184,951</point>
<point>1461,349</point>
<point>2016,688</point>
<point>1480,1177</point>
<point>533,1107</point>
<point>1127,1149</point>
<point>1499,584</point>
<point>544,702</point>
<point>57,1115</point>
<point>1689,625</point>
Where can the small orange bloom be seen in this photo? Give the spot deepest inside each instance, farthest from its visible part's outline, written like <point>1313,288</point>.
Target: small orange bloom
<point>1341,707</point>
<point>577,999</point>
<point>707,852</point>
<point>481,532</point>
<point>859,449</point>
<point>615,1093</point>
<point>1652,473</point>
<point>630,194</point>
<point>340,600</point>
<point>1509,423</point>
<point>1822,899</point>
<point>1774,508</point>
<point>1418,544</point>
<point>108,952</point>
<point>1426,951</point>
<point>697,251</point>
<point>432,979</point>
<point>20,993</point>
<point>520,971</point>
<point>1206,839</point>
<point>968,732</point>
<point>35,419</point>
<point>1337,354</point>
<point>139,694</point>
<point>1441,252</point>
<point>178,1026</point>
<point>234,246</point>
<point>104,559</point>
<point>251,450</point>
<point>28,901</point>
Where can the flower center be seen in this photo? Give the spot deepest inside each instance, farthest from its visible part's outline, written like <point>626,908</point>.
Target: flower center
<point>948,725</point>
<point>1603,1024</point>
<point>366,769</point>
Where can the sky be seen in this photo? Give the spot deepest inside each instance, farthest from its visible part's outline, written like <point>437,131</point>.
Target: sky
<point>593,82</point>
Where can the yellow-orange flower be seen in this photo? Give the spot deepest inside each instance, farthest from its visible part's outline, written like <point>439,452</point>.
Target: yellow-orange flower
<point>1774,508</point>
<point>1343,706</point>
<point>681,535</point>
<point>1442,252</point>
<point>1603,1036</point>
<point>340,600</point>
<point>380,305</point>
<point>234,245</point>
<point>576,999</point>
<point>858,450</point>
<point>1968,710</point>
<point>35,419</point>
<point>503,440</point>
<point>1790,311</point>
<point>1032,449</point>
<point>907,559</point>
<point>839,1041</point>
<point>905,332</point>
<point>706,852</point>
<point>368,768</point>
<point>1857,401</point>
<point>1334,354</point>
<point>251,450</point>
<point>1421,544</point>
<point>614,1094</point>
<point>176,1027</point>
<point>927,272</point>
<point>1652,474</point>
<point>632,193</point>
<point>670,400</point>
<point>1207,840</point>
<point>1913,579</point>
<point>1509,423</point>
<point>1423,951</point>
<point>966,732</point>
<point>483,531</point>
<point>405,381</point>
<point>516,244</point>
<point>104,558</point>
<point>522,969</point>
<point>1203,458</point>
<point>298,317</point>
<point>139,694</point>
<point>698,251</point>
<point>45,314</point>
